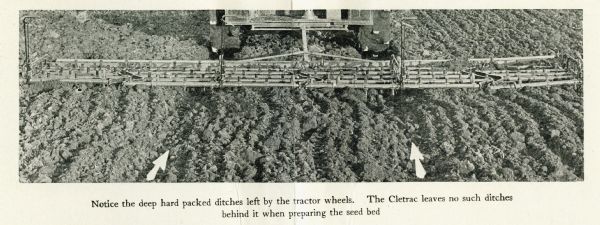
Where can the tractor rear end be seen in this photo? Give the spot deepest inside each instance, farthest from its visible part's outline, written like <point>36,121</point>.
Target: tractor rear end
<point>372,28</point>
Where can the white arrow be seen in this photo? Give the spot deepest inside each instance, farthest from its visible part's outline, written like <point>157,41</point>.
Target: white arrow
<point>416,155</point>
<point>161,162</point>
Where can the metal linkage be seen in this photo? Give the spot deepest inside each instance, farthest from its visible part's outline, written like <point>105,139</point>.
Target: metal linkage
<point>488,73</point>
<point>26,60</point>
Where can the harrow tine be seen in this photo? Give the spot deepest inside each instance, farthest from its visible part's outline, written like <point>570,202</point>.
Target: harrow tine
<point>318,73</point>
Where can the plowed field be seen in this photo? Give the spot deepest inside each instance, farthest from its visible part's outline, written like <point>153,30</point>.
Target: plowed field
<point>112,134</point>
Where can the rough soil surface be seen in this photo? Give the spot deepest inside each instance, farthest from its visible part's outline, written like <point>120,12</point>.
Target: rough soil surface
<point>112,134</point>
<point>79,34</point>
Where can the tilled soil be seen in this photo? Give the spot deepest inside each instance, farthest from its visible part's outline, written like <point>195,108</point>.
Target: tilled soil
<point>112,134</point>
<point>90,133</point>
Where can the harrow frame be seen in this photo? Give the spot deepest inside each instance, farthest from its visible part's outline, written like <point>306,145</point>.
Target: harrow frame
<point>327,71</point>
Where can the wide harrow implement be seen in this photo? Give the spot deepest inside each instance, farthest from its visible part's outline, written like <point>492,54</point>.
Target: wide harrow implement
<point>327,72</point>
